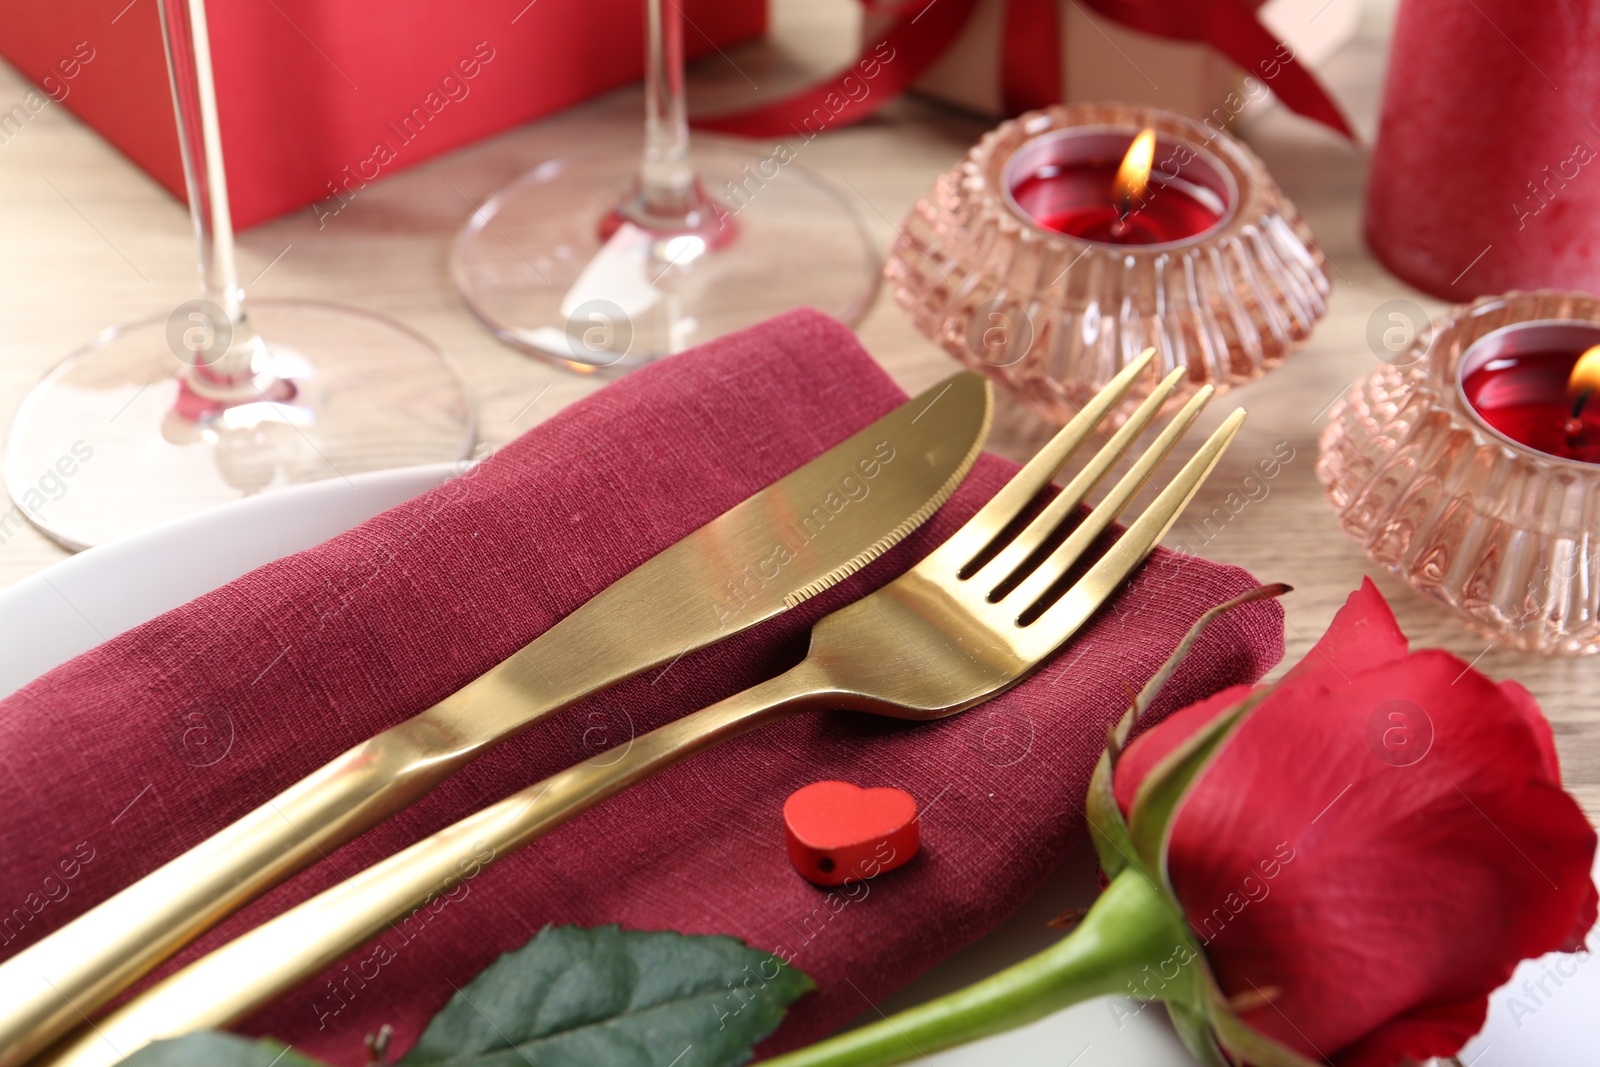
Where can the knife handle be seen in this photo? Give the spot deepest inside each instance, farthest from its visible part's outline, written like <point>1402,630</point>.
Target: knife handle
<point>249,972</point>
<point>55,984</point>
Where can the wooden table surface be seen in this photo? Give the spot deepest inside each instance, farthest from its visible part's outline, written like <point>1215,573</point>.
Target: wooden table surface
<point>89,241</point>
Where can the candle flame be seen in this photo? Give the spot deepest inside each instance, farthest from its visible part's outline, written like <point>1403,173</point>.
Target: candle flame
<point>1133,177</point>
<point>1585,378</point>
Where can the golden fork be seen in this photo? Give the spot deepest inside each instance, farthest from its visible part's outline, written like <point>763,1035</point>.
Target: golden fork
<point>966,623</point>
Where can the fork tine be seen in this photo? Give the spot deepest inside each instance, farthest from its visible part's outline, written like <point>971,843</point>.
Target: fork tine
<point>967,543</point>
<point>1048,573</point>
<point>1108,573</point>
<point>1017,553</point>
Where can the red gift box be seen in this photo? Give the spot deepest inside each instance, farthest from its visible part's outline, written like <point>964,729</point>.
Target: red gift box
<point>319,97</point>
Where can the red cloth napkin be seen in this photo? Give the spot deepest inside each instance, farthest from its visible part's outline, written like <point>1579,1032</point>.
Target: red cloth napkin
<point>307,656</point>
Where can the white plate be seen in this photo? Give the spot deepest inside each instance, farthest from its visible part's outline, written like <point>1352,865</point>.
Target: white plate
<point>70,607</point>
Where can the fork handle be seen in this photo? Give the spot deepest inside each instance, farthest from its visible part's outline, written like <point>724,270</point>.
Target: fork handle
<point>405,890</point>
<point>52,986</point>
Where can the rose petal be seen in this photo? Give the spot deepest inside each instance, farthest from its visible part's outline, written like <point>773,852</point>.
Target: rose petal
<point>1540,728</point>
<point>1362,635</point>
<point>1367,892</point>
<point>1152,746</point>
<point>1524,702</point>
<point>1418,1035</point>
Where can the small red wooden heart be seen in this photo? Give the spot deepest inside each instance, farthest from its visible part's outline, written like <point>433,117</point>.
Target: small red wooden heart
<point>838,832</point>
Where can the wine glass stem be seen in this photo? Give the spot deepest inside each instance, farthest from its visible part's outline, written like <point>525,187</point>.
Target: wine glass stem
<point>194,98</point>
<point>666,176</point>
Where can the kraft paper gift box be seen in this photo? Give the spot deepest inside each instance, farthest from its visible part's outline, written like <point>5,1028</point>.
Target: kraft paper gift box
<point>1104,60</point>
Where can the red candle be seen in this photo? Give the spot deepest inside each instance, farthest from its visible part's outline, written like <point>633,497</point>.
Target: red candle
<point>1532,383</point>
<point>1484,177</point>
<point>1115,188</point>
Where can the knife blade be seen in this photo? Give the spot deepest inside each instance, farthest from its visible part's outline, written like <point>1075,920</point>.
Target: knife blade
<point>790,541</point>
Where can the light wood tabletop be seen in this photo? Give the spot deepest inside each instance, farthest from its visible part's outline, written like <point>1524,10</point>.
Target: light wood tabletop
<point>89,241</point>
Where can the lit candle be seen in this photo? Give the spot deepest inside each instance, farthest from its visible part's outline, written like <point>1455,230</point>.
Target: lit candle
<point>1102,184</point>
<point>1534,384</point>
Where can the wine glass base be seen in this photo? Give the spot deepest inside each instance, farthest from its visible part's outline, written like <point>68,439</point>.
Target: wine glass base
<point>97,450</point>
<point>532,265</point>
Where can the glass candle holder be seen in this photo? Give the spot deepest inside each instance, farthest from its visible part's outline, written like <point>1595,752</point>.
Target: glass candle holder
<point>1011,267</point>
<point>1444,477</point>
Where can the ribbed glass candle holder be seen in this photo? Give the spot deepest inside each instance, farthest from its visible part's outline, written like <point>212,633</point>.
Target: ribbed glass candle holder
<point>1503,533</point>
<point>1053,317</point>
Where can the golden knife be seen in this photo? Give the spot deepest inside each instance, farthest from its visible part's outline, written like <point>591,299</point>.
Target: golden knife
<point>790,541</point>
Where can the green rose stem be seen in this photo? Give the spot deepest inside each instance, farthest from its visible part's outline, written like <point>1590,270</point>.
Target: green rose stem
<point>1125,938</point>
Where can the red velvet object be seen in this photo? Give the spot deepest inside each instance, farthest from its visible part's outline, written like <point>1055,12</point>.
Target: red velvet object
<point>319,97</point>
<point>1486,173</point>
<point>309,655</point>
<point>1381,886</point>
<point>840,834</point>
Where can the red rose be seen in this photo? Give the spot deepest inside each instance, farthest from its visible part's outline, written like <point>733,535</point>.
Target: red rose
<point>1339,868</point>
<point>1376,848</point>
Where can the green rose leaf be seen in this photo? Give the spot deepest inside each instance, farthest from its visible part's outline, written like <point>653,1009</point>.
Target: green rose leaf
<point>1163,791</point>
<point>1194,1029</point>
<point>1244,1043</point>
<point>1117,846</point>
<point>625,998</point>
<point>573,997</point>
<point>1107,827</point>
<point>212,1049</point>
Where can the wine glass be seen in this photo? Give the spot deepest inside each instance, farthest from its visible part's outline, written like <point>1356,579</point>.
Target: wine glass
<point>155,420</point>
<point>605,262</point>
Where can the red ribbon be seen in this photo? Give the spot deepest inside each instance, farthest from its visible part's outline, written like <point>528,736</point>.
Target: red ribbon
<point>1030,67</point>
<point>1030,55</point>
<point>907,48</point>
<point>1232,28</point>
